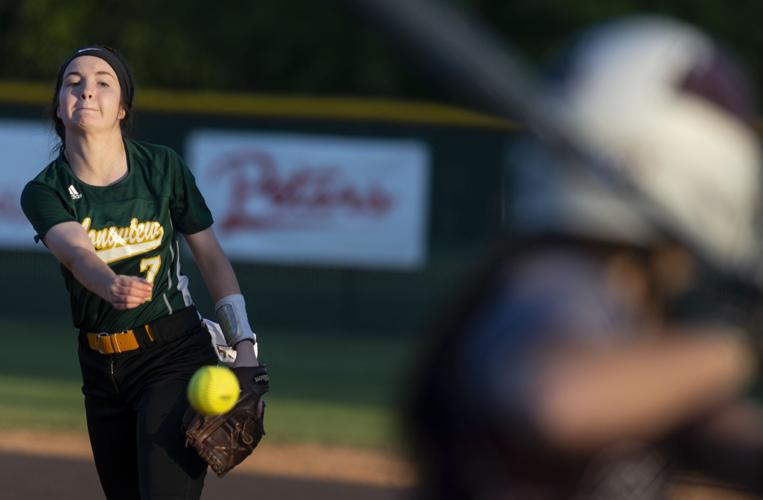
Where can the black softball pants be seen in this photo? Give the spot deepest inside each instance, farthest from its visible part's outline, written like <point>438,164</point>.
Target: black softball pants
<point>134,403</point>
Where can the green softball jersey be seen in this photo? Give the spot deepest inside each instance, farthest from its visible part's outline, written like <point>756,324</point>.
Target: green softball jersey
<point>132,224</point>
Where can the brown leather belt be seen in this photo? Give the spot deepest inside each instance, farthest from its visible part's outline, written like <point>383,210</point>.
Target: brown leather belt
<point>163,329</point>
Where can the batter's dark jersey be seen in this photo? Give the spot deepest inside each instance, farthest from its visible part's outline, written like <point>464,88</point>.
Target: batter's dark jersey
<point>132,224</point>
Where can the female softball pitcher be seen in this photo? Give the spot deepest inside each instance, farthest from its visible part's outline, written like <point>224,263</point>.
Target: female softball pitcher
<point>111,210</point>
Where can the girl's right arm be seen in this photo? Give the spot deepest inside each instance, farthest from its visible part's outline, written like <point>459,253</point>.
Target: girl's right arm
<point>68,241</point>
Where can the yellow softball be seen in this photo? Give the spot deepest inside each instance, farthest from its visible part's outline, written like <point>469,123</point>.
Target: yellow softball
<point>213,390</point>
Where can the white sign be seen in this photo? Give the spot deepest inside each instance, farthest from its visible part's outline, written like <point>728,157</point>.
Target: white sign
<point>27,147</point>
<point>313,199</point>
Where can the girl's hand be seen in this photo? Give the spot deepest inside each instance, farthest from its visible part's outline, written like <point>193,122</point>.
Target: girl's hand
<point>127,292</point>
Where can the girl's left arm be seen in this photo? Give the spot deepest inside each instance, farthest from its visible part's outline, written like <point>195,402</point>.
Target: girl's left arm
<point>214,265</point>
<point>225,292</point>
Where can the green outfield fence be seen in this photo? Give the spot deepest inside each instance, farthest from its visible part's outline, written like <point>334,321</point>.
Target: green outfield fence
<point>464,209</point>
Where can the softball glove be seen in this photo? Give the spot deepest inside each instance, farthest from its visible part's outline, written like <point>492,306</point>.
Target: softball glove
<point>224,441</point>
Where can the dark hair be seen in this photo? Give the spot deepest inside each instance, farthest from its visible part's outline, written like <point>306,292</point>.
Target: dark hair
<point>124,76</point>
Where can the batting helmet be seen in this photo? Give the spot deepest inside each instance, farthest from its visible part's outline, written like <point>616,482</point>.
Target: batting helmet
<point>673,114</point>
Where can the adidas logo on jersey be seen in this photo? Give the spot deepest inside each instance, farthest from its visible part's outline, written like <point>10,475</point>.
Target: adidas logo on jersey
<point>75,195</point>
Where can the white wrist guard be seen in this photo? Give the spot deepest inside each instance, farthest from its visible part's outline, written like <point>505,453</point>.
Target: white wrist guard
<point>231,313</point>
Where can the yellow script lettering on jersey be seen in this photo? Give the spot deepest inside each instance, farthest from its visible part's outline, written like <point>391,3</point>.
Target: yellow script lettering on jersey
<point>115,243</point>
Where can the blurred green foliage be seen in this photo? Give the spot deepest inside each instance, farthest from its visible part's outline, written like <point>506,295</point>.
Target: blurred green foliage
<point>265,46</point>
<point>306,46</point>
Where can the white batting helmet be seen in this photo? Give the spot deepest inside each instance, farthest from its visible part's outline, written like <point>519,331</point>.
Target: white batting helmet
<point>673,114</point>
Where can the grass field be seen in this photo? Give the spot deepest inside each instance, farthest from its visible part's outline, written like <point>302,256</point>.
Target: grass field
<point>332,389</point>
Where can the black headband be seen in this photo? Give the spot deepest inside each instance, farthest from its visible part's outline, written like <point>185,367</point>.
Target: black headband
<point>116,63</point>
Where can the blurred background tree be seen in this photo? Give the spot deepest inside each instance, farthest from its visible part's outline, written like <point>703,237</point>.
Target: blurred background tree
<point>306,46</point>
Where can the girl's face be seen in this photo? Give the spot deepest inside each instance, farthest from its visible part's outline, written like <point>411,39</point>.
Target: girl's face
<point>90,98</point>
